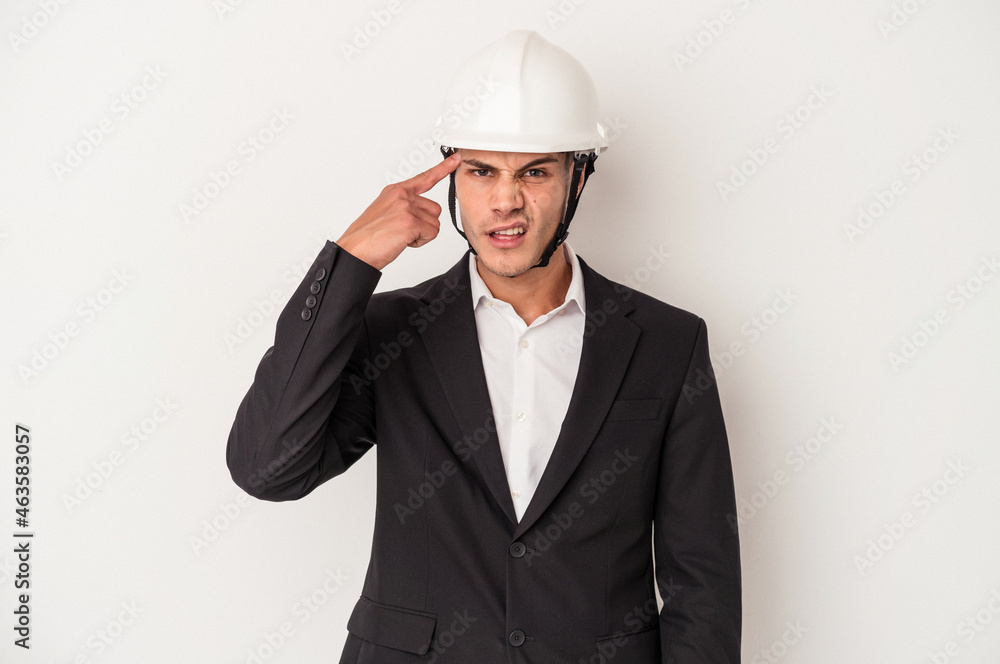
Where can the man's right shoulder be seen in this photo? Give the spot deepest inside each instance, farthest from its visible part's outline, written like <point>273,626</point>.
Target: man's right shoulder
<point>433,294</point>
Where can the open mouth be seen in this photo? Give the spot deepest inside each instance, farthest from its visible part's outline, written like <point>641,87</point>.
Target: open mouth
<point>509,232</point>
<point>508,238</point>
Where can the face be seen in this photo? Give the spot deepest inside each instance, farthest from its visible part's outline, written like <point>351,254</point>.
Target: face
<point>511,204</point>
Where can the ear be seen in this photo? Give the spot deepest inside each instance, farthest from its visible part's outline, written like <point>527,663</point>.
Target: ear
<point>579,187</point>
<point>583,176</point>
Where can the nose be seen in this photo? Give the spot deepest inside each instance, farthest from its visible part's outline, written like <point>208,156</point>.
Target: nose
<point>506,195</point>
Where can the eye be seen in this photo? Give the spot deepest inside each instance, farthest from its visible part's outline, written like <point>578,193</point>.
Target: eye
<point>480,172</point>
<point>534,173</point>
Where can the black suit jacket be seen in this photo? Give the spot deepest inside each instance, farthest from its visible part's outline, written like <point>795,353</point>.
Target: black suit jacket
<point>640,473</point>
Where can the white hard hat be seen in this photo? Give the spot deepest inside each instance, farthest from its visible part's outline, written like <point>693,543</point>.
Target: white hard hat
<point>522,94</point>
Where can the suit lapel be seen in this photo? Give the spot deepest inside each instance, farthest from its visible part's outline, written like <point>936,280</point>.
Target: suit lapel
<point>453,345</point>
<point>608,342</point>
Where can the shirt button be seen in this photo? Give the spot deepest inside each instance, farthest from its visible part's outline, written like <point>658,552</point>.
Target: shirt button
<point>524,343</point>
<point>516,638</point>
<point>562,312</point>
<point>518,549</point>
<point>515,493</point>
<point>521,417</point>
<point>487,303</point>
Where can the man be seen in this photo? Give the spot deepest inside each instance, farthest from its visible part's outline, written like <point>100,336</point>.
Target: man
<point>543,434</point>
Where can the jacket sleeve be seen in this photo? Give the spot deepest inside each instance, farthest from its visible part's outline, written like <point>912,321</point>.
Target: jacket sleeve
<point>696,544</point>
<point>309,414</point>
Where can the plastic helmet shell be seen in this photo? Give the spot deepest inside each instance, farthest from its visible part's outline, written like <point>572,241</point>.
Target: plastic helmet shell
<point>522,94</point>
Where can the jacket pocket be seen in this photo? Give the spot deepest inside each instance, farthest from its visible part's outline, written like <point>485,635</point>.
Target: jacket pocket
<point>630,647</point>
<point>392,626</point>
<point>635,409</point>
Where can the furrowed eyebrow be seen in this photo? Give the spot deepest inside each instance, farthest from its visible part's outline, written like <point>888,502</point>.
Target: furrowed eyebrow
<point>531,164</point>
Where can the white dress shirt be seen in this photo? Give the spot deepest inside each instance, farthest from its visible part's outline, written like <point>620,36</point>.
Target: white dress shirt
<point>530,372</point>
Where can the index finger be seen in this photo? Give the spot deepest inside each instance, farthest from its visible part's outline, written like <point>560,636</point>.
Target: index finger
<point>422,182</point>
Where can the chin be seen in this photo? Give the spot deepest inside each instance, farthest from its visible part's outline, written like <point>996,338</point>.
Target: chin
<point>504,264</point>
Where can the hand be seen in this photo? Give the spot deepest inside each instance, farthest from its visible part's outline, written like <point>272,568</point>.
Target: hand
<point>399,218</point>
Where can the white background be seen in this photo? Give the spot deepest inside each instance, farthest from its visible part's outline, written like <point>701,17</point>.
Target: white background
<point>693,93</point>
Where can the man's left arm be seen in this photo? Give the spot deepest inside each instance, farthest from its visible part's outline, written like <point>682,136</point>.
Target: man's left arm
<point>696,545</point>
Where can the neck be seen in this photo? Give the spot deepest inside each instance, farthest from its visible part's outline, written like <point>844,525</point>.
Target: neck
<point>534,292</point>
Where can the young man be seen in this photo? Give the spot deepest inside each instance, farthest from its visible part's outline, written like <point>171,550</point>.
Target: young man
<point>543,434</point>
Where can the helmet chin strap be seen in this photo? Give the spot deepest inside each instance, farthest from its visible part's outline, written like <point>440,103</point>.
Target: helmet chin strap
<point>583,166</point>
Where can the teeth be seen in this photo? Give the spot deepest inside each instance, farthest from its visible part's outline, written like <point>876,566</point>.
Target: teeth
<point>510,231</point>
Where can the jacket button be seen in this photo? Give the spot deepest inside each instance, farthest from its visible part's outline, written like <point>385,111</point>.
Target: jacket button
<point>516,638</point>
<point>518,549</point>
<point>307,314</point>
<point>320,274</point>
<point>315,288</point>
<point>310,301</point>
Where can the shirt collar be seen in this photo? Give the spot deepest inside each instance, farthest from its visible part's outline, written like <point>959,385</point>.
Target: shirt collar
<point>481,293</point>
